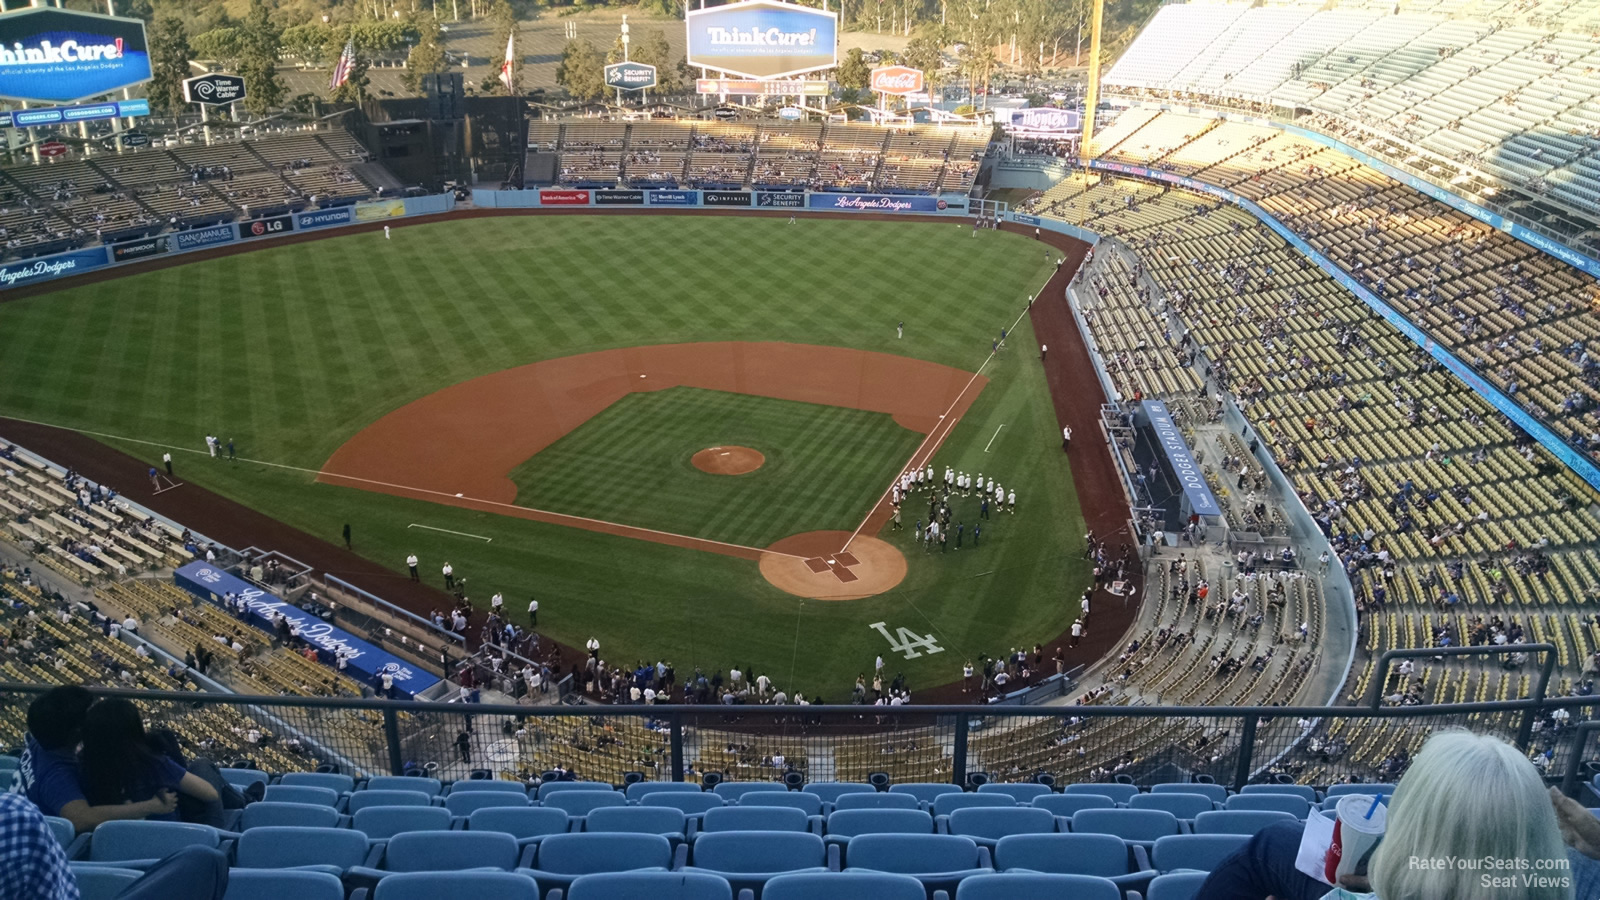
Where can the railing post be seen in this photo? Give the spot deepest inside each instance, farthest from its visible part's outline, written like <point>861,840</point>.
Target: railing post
<point>1247,749</point>
<point>391,736</point>
<point>677,746</point>
<point>1580,740</point>
<point>958,757</point>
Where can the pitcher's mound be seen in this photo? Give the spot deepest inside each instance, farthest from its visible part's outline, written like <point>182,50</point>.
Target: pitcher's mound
<point>815,568</point>
<point>728,460</point>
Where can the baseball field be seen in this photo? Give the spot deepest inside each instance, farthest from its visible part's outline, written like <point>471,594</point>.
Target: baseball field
<point>628,417</point>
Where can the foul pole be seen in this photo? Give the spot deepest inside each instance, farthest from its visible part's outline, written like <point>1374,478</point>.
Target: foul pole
<point>1091,96</point>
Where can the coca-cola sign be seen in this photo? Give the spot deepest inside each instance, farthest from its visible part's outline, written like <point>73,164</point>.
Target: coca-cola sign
<point>896,80</point>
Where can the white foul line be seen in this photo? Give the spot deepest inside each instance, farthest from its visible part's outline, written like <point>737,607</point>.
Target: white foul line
<point>992,437</point>
<point>448,531</point>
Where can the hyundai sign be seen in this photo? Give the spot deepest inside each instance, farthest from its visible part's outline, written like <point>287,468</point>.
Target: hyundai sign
<point>59,55</point>
<point>763,39</point>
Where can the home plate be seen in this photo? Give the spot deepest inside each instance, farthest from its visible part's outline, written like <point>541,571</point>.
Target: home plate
<point>458,495</point>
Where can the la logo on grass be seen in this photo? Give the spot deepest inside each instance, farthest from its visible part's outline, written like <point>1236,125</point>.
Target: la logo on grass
<point>909,641</point>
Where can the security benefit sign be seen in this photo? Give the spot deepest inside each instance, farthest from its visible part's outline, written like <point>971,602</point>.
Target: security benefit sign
<point>58,55</point>
<point>214,89</point>
<point>763,39</point>
<point>630,76</point>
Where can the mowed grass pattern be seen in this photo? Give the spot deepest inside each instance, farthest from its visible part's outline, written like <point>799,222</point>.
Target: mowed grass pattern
<point>825,466</point>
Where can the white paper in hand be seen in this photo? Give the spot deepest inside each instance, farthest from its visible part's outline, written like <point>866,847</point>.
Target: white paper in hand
<point>1314,844</point>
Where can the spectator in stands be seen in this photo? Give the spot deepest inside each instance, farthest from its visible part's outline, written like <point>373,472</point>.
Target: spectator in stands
<point>49,771</point>
<point>121,764</point>
<point>1465,797</point>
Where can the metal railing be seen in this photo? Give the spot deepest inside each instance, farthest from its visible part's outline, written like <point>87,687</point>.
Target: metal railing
<point>1136,744</point>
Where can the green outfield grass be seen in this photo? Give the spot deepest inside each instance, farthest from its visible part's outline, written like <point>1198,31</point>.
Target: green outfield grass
<point>825,466</point>
<point>291,350</point>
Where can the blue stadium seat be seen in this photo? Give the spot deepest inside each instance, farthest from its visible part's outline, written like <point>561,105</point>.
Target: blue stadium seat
<point>1021,793</point>
<point>1100,855</point>
<point>1194,851</point>
<point>844,886</point>
<point>464,804</point>
<point>450,851</point>
<point>521,822</point>
<point>988,826</point>
<point>1184,806</point>
<point>755,818</point>
<point>748,858</point>
<point>650,886</point>
<point>831,791</point>
<point>63,829</point>
<point>477,885</point>
<point>302,793</point>
<point>691,804</point>
<point>550,788</point>
<point>490,785</point>
<point>948,803</point>
<point>1216,792</point>
<point>561,858</point>
<point>1299,790</point>
<point>577,804</point>
<point>939,861</point>
<point>303,815</point>
<point>670,823</point>
<point>362,799</point>
<point>243,778</point>
<point>1121,793</point>
<point>888,800</point>
<point>924,791</point>
<point>1030,886</point>
<point>1289,803</point>
<point>847,823</point>
<point>331,850</point>
<point>339,784</point>
<point>138,844</point>
<point>381,822</point>
<point>282,884</point>
<point>1068,805</point>
<point>430,786</point>
<point>1176,886</point>
<point>102,882</point>
<point>733,791</point>
<point>810,804</point>
<point>1338,790</point>
<point>1139,826</point>
<point>638,790</point>
<point>1237,821</point>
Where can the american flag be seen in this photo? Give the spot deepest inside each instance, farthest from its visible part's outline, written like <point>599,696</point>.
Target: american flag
<point>506,67</point>
<point>341,69</point>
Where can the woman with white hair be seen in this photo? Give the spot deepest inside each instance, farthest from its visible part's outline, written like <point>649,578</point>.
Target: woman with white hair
<point>1470,820</point>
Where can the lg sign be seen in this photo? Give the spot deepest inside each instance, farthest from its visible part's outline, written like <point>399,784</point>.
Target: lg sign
<point>896,80</point>
<point>763,39</point>
<point>56,55</point>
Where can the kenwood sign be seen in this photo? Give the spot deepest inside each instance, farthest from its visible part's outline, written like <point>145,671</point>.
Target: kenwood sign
<point>763,39</point>
<point>57,55</point>
<point>214,90</point>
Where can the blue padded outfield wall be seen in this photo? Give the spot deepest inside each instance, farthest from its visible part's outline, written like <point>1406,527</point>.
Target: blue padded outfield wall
<point>921,204</point>
<point>1540,432</point>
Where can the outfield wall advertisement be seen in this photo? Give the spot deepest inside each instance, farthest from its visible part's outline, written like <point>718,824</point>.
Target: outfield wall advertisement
<point>60,56</point>
<point>72,262</point>
<point>205,237</point>
<point>266,227</point>
<point>139,249</point>
<point>763,39</point>
<point>899,203</point>
<point>322,218</point>
<point>673,198</point>
<point>619,198</point>
<point>383,209</point>
<point>1582,465</point>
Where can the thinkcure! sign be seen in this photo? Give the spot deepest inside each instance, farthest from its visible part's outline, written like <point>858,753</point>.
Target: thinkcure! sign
<point>763,39</point>
<point>58,55</point>
<point>896,80</point>
<point>214,89</point>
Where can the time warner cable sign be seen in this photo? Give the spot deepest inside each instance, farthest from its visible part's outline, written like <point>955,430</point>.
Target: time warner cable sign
<point>763,39</point>
<point>58,55</point>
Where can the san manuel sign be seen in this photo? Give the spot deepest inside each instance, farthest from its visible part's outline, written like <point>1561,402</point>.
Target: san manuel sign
<point>630,76</point>
<point>61,56</point>
<point>763,39</point>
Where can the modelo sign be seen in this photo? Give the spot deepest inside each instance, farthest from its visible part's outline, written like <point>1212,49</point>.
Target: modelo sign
<point>896,80</point>
<point>763,39</point>
<point>213,90</point>
<point>630,76</point>
<point>59,55</point>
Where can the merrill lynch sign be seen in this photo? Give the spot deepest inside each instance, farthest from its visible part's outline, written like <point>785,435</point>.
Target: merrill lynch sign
<point>763,39</point>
